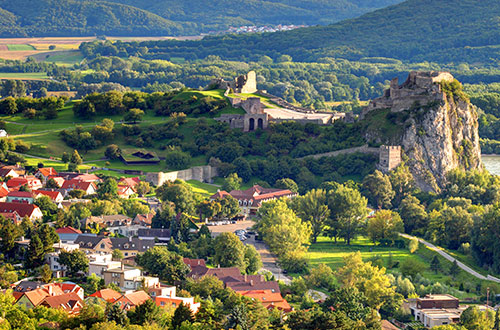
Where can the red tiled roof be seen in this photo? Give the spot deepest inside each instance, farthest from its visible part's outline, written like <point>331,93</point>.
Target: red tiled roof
<point>131,182</point>
<point>220,195</point>
<point>269,299</point>
<point>68,230</point>
<point>87,178</point>
<point>77,184</point>
<point>15,182</point>
<point>194,262</point>
<point>59,180</point>
<point>3,192</point>
<point>133,299</point>
<point>68,302</point>
<point>51,194</point>
<point>23,209</point>
<point>107,294</point>
<point>21,194</point>
<point>36,296</point>
<point>46,171</point>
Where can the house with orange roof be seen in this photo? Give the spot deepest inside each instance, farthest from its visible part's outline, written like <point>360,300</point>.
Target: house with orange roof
<point>108,295</point>
<point>129,182</point>
<point>30,181</point>
<point>45,173</point>
<point>54,195</point>
<point>131,300</point>
<point>144,219</point>
<point>30,211</point>
<point>89,187</point>
<point>8,172</point>
<point>4,191</point>
<point>269,299</point>
<point>165,301</point>
<point>20,197</point>
<point>33,298</point>
<point>251,200</point>
<point>87,178</point>
<point>125,191</point>
<point>13,216</point>
<point>69,302</point>
<point>59,180</point>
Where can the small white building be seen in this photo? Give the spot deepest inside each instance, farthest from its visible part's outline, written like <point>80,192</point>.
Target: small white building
<point>52,259</point>
<point>98,263</point>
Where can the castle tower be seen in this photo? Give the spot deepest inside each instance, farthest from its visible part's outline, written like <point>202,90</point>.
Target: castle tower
<point>389,157</point>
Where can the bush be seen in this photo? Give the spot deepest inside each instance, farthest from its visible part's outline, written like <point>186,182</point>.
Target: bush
<point>295,262</point>
<point>413,245</point>
<point>410,267</point>
<point>176,160</point>
<point>321,277</point>
<point>113,152</point>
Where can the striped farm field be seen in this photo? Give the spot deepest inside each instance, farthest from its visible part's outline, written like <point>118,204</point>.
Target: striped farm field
<point>20,47</point>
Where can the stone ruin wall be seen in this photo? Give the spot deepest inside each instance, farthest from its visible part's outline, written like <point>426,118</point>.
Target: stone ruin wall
<point>198,173</point>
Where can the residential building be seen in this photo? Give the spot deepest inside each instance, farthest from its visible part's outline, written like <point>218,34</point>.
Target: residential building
<point>108,295</point>
<point>8,172</point>
<point>35,297</point>
<point>268,299</point>
<point>116,220</point>
<point>58,180</point>
<point>194,262</point>
<point>251,200</point>
<point>165,301</point>
<point>160,234</point>
<point>13,216</point>
<point>52,258</point>
<point>53,194</point>
<point>93,244</point>
<point>32,212</point>
<point>45,173</point>
<point>89,187</point>
<point>128,278</point>
<point>144,219</point>
<point>162,290</point>
<point>20,197</point>
<point>4,191</point>
<point>98,263</point>
<point>125,192</point>
<point>68,234</point>
<point>130,300</point>
<point>30,181</point>
<point>129,182</point>
<point>71,303</point>
<point>131,246</point>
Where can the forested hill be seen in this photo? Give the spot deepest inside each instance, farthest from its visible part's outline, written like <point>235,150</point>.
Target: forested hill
<point>206,15</point>
<point>22,18</point>
<point>418,30</point>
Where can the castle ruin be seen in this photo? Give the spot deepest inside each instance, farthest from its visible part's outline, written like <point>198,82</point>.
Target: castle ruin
<point>389,158</point>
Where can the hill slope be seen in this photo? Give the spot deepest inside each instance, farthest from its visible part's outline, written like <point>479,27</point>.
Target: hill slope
<point>79,18</point>
<point>448,30</point>
<point>204,15</point>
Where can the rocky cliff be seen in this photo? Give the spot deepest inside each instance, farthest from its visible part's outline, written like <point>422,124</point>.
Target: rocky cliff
<point>434,122</point>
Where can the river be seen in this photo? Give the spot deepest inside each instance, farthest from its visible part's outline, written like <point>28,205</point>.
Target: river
<point>492,163</point>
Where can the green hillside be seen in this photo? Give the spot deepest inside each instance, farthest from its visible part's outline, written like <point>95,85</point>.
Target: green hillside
<point>417,30</point>
<point>26,18</point>
<point>205,15</point>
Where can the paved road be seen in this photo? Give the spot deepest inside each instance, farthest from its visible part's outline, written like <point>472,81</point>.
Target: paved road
<point>448,257</point>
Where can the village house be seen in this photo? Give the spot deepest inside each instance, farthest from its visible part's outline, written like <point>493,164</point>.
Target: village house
<point>251,200</point>
<point>45,173</point>
<point>94,244</point>
<point>58,180</point>
<point>125,192</point>
<point>4,191</point>
<point>68,234</point>
<point>157,234</point>
<point>71,303</point>
<point>131,300</point>
<point>128,278</point>
<point>32,212</point>
<point>129,182</point>
<point>30,181</point>
<point>106,221</point>
<point>52,258</point>
<point>54,195</point>
<point>269,299</point>
<point>108,295</point>
<point>35,297</point>
<point>20,197</point>
<point>131,246</point>
<point>98,263</point>
<point>144,219</point>
<point>88,187</point>
<point>13,216</point>
<point>165,301</point>
<point>8,172</point>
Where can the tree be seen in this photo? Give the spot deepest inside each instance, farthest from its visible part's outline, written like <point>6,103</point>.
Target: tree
<point>76,261</point>
<point>313,208</point>
<point>497,320</point>
<point>113,152</point>
<point>473,318</point>
<point>384,225</point>
<point>347,211</point>
<point>402,183</point>
<point>77,193</point>
<point>367,279</point>
<point>94,282</point>
<point>115,313</point>
<point>182,314</point>
<point>377,187</point>
<point>232,182</point>
<point>178,193</point>
<point>117,255</point>
<point>143,188</point>
<point>454,269</point>
<point>229,251</point>
<point>227,207</point>
<point>413,214</point>
<point>65,157</point>
<point>108,189</point>
<point>167,265</point>
<point>75,158</point>
<point>411,267</point>
<point>321,276</point>
<point>253,261</point>
<point>134,115</point>
<point>45,273</point>
<point>9,233</point>
<point>413,245</point>
<point>52,184</point>
<point>146,312</point>
<point>436,264</point>
<point>36,251</point>
<point>177,159</point>
<point>243,168</point>
<point>238,319</point>
<point>287,183</point>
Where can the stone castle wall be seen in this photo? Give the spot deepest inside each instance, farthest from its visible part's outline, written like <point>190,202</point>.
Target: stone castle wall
<point>390,157</point>
<point>198,173</point>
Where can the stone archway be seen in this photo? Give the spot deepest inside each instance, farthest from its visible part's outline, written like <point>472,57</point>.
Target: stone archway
<point>260,123</point>
<point>251,123</point>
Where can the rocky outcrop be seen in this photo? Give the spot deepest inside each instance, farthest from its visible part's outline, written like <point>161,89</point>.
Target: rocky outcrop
<point>436,126</point>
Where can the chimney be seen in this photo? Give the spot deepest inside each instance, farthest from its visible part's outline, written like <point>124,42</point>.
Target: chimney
<point>130,239</point>
<point>50,289</point>
<point>251,282</point>
<point>198,262</point>
<point>218,266</point>
<point>122,266</point>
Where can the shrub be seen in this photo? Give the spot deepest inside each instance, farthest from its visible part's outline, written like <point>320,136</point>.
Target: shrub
<point>413,245</point>
<point>176,159</point>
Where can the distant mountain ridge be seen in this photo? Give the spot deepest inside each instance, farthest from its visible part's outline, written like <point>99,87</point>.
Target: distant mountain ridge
<point>22,18</point>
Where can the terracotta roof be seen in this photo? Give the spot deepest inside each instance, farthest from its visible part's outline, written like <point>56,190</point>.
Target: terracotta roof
<point>87,178</point>
<point>59,180</point>
<point>198,271</point>
<point>3,192</point>
<point>5,171</point>
<point>46,171</point>
<point>23,209</point>
<point>36,296</point>
<point>194,262</point>
<point>107,294</point>
<point>220,195</point>
<point>68,302</point>
<point>386,325</point>
<point>77,184</point>
<point>144,218</point>
<point>20,194</point>
<point>130,182</point>
<point>14,216</point>
<point>16,182</point>
<point>268,298</point>
<point>133,299</point>
<point>52,194</point>
<point>247,286</point>
<point>68,230</point>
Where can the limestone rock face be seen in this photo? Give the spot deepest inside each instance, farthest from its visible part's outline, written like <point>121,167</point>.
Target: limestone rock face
<point>439,126</point>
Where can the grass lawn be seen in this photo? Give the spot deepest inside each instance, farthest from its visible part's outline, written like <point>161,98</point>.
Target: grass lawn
<point>66,58</point>
<point>202,188</point>
<point>330,253</point>
<point>20,47</point>
<point>24,75</point>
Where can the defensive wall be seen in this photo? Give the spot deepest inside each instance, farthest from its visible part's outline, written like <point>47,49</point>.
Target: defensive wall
<point>198,173</point>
